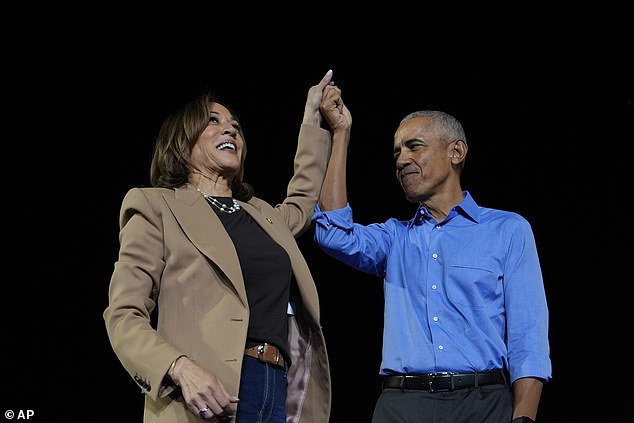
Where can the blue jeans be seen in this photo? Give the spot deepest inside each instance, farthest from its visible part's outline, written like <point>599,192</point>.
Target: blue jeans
<point>262,393</point>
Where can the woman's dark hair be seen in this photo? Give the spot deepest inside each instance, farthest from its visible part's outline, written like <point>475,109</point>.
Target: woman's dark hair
<point>171,159</point>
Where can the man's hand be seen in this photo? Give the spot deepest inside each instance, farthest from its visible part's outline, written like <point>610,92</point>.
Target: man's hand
<point>334,109</point>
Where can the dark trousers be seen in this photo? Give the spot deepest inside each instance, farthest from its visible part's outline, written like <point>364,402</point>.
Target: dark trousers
<point>484,404</point>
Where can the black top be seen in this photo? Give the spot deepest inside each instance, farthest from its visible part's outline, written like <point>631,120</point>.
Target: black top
<point>266,269</point>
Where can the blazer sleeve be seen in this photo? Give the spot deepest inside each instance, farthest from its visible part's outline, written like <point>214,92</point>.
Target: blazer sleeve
<point>132,296</point>
<point>311,161</point>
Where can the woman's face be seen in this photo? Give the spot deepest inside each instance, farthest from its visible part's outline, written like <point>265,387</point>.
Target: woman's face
<point>219,149</point>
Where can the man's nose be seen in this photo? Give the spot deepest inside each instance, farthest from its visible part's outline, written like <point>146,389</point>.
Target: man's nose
<point>403,160</point>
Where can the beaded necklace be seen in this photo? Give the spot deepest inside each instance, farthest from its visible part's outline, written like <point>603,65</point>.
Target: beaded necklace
<point>220,206</point>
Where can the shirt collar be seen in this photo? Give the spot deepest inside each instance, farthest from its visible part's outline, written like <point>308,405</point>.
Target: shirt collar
<point>467,207</point>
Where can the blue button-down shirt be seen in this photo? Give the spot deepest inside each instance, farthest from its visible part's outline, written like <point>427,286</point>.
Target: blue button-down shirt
<point>462,295</point>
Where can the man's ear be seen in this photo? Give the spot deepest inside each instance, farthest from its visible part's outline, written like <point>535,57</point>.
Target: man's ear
<point>458,151</point>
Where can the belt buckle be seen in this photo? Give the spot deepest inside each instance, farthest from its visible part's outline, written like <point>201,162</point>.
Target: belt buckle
<point>262,357</point>
<point>432,376</point>
<point>261,352</point>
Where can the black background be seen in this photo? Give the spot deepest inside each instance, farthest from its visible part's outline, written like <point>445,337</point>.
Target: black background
<point>545,97</point>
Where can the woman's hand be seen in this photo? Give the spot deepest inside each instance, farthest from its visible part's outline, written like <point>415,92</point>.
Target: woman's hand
<point>312,115</point>
<point>203,392</point>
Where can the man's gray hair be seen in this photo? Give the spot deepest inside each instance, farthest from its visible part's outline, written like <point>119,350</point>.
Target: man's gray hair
<point>448,128</point>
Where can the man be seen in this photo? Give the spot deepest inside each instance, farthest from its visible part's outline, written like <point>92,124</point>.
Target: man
<point>466,318</point>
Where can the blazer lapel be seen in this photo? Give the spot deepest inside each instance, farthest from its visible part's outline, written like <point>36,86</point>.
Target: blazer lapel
<point>206,232</point>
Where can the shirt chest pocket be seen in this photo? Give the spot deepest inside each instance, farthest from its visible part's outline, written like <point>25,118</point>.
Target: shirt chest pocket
<point>474,283</point>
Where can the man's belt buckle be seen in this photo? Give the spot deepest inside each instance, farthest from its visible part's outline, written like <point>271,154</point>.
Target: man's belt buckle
<point>431,378</point>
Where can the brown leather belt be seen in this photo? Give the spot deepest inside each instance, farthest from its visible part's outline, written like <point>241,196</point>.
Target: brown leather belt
<point>267,353</point>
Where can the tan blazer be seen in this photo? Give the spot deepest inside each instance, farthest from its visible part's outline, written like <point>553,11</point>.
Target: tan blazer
<point>176,255</point>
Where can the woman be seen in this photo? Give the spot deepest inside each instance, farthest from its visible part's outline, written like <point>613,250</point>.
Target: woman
<point>237,335</point>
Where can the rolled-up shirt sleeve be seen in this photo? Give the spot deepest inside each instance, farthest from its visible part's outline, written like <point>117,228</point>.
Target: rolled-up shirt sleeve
<point>363,247</point>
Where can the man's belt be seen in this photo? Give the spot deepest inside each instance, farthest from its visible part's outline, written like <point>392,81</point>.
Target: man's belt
<point>445,381</point>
